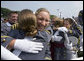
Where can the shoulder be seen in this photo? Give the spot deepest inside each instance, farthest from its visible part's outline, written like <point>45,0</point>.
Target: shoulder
<point>3,24</point>
<point>49,30</point>
<point>14,26</point>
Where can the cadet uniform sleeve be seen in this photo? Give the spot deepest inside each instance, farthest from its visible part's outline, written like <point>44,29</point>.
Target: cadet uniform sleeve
<point>5,29</point>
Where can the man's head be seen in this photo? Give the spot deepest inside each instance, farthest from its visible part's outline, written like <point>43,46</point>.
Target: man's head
<point>12,17</point>
<point>43,18</point>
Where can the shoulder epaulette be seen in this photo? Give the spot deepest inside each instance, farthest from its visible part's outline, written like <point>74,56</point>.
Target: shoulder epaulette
<point>3,38</point>
<point>48,31</point>
<point>14,26</point>
<point>70,31</point>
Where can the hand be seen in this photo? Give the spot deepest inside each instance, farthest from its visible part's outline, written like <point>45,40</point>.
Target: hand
<point>28,46</point>
<point>63,29</point>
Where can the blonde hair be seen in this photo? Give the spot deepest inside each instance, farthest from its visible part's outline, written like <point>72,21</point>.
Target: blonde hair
<point>27,22</point>
<point>41,10</point>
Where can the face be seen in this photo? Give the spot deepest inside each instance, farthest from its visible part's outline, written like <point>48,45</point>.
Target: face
<point>67,24</point>
<point>13,18</point>
<point>53,21</point>
<point>43,19</point>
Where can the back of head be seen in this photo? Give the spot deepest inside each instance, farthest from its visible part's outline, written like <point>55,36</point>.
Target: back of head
<point>27,22</point>
<point>58,22</point>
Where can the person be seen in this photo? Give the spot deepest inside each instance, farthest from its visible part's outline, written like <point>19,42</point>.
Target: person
<point>6,27</point>
<point>53,19</point>
<point>80,18</point>
<point>58,50</point>
<point>73,31</point>
<point>41,34</point>
<point>61,47</point>
<point>30,47</point>
<point>43,22</point>
<point>80,22</point>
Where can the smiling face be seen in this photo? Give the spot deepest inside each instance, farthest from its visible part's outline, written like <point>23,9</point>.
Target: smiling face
<point>13,18</point>
<point>43,19</point>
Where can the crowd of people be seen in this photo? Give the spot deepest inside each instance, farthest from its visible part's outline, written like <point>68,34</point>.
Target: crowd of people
<point>36,36</point>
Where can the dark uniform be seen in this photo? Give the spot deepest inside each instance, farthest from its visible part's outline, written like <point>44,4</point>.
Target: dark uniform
<point>73,31</point>
<point>80,18</point>
<point>76,32</point>
<point>5,29</point>
<point>80,22</point>
<point>41,36</point>
<point>58,50</point>
<point>49,31</point>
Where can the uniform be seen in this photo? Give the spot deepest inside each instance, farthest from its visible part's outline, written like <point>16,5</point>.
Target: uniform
<point>76,33</point>
<point>61,46</point>
<point>5,29</point>
<point>58,50</point>
<point>49,31</point>
<point>41,36</point>
<point>80,18</point>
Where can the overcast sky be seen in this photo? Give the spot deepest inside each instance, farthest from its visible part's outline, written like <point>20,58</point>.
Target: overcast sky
<point>67,8</point>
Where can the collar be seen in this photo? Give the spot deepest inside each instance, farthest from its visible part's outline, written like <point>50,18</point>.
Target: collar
<point>8,24</point>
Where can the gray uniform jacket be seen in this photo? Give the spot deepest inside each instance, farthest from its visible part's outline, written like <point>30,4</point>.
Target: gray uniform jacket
<point>41,36</point>
<point>5,28</point>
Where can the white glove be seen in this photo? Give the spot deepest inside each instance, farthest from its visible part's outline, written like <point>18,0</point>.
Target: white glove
<point>63,29</point>
<point>56,38</point>
<point>28,46</point>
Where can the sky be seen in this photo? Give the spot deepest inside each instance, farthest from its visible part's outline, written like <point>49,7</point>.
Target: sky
<point>63,8</point>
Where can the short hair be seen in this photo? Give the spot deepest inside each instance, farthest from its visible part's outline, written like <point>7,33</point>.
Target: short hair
<point>58,22</point>
<point>26,11</point>
<point>53,16</point>
<point>40,10</point>
<point>69,20</point>
<point>12,12</point>
<point>27,22</point>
